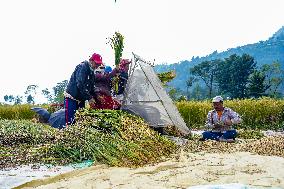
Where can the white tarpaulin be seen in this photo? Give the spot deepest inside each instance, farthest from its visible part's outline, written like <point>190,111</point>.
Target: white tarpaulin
<point>144,95</point>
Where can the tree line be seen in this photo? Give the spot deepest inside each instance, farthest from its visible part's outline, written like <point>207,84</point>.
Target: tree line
<point>234,77</point>
<point>56,95</point>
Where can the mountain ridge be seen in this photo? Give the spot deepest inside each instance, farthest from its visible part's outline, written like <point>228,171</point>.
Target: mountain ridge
<point>264,52</point>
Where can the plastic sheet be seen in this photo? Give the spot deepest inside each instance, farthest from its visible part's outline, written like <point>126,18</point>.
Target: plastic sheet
<point>13,177</point>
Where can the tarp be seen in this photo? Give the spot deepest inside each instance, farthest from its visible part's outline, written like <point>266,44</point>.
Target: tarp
<point>145,95</point>
<point>56,119</point>
<point>13,177</point>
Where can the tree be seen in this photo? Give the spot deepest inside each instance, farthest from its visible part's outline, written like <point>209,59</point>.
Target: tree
<point>189,84</point>
<point>274,77</point>
<point>45,92</point>
<point>16,99</point>
<point>233,75</point>
<point>59,91</point>
<point>30,99</point>
<point>197,92</point>
<point>9,98</point>
<point>256,84</point>
<point>174,93</point>
<point>30,93</point>
<point>206,70</point>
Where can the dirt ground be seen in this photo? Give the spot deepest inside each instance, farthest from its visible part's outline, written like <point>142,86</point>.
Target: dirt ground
<point>182,171</point>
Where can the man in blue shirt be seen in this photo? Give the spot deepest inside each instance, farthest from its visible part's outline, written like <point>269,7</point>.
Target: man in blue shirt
<point>81,87</point>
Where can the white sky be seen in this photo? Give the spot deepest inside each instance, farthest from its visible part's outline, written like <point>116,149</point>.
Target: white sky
<point>41,41</point>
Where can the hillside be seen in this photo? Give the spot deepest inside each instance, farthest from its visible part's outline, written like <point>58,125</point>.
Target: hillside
<point>264,52</point>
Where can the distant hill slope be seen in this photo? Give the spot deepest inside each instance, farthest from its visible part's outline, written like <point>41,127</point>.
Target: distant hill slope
<point>264,52</point>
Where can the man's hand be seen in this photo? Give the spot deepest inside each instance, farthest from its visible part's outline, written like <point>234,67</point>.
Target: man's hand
<point>219,124</point>
<point>228,122</point>
<point>216,126</point>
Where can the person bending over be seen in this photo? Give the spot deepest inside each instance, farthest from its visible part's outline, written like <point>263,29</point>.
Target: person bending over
<point>80,87</point>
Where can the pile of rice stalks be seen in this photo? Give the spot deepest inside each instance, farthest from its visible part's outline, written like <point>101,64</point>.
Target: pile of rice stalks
<point>271,146</point>
<point>20,139</point>
<point>111,137</point>
<point>212,146</point>
<point>250,134</point>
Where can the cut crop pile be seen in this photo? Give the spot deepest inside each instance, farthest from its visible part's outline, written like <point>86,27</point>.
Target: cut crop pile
<point>115,138</point>
<point>250,134</point>
<point>271,146</point>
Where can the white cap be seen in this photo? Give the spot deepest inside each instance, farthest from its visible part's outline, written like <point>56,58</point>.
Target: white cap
<point>217,99</point>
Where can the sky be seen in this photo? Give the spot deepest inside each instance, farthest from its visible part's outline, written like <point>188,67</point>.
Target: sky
<point>42,41</point>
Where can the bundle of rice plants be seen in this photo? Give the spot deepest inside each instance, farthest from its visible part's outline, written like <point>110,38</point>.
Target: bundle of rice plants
<point>111,137</point>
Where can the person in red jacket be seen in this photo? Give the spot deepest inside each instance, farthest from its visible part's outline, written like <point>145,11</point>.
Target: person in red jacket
<point>103,87</point>
<point>121,79</point>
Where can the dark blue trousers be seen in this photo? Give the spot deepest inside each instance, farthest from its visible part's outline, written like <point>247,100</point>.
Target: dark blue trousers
<point>71,106</point>
<point>231,134</point>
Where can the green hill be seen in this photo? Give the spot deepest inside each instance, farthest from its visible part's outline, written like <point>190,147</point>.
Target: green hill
<point>264,52</point>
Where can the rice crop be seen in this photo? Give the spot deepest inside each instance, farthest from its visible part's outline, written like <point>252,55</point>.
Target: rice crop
<point>16,112</point>
<point>111,137</point>
<point>263,114</point>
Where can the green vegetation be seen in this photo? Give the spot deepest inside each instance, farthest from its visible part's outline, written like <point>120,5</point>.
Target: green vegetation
<point>56,96</point>
<point>16,112</point>
<point>117,138</point>
<point>166,77</point>
<point>111,137</point>
<point>233,75</point>
<point>116,43</point>
<point>265,113</point>
<point>267,53</point>
<point>194,112</point>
